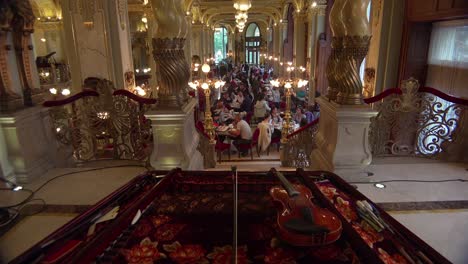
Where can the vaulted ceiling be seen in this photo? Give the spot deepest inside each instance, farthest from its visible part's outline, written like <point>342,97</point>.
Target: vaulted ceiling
<point>222,12</point>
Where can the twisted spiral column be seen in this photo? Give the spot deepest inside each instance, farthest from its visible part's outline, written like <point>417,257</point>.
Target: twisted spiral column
<point>172,69</point>
<point>331,71</point>
<point>354,51</point>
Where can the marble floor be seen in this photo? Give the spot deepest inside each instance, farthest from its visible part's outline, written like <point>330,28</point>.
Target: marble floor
<point>437,212</point>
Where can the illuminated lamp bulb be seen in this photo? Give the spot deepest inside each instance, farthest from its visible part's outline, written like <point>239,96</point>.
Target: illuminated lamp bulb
<point>206,68</point>
<point>205,86</point>
<point>66,92</point>
<point>53,90</point>
<point>314,4</point>
<point>288,85</point>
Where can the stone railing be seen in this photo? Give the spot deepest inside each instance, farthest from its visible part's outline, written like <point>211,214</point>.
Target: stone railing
<point>204,147</point>
<point>299,146</point>
<point>103,124</point>
<point>419,121</point>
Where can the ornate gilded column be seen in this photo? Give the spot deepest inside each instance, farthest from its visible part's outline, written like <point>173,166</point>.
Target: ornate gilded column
<point>9,98</point>
<point>23,27</point>
<point>342,139</point>
<point>168,50</point>
<point>338,31</point>
<point>175,139</point>
<point>355,47</point>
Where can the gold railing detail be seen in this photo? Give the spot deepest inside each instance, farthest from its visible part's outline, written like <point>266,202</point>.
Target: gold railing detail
<point>418,121</point>
<point>299,146</point>
<point>108,124</point>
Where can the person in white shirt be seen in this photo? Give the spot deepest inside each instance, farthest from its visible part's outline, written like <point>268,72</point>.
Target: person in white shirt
<point>243,133</point>
<point>261,108</point>
<point>276,96</point>
<point>265,128</point>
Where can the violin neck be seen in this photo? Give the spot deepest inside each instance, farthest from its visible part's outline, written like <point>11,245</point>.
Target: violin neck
<point>286,184</point>
<point>235,195</point>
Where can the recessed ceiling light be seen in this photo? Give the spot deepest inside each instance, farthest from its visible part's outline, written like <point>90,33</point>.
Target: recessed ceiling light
<point>379,185</point>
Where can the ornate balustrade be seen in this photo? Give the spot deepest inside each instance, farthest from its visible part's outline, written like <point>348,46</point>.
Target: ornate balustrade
<point>419,121</point>
<point>103,124</point>
<point>299,146</point>
<point>204,146</point>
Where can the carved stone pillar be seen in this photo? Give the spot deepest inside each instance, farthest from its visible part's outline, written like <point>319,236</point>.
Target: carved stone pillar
<point>23,27</point>
<point>9,98</point>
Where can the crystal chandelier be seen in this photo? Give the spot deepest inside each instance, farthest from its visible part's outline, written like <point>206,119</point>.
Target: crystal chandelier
<point>242,6</point>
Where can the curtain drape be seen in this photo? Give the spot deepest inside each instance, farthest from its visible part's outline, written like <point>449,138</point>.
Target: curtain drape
<point>448,58</point>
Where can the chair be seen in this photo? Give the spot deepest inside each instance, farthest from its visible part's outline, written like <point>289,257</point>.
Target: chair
<point>274,140</point>
<point>220,147</point>
<point>249,146</point>
<point>248,117</point>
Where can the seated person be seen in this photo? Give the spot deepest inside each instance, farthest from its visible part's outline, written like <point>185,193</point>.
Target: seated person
<point>225,116</point>
<point>238,99</point>
<point>277,122</point>
<point>303,122</point>
<point>261,107</point>
<point>246,105</point>
<point>219,108</point>
<point>299,115</point>
<point>242,132</point>
<point>264,138</point>
<point>227,100</point>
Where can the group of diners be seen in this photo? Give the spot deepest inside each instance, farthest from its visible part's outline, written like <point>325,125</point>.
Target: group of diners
<point>249,100</point>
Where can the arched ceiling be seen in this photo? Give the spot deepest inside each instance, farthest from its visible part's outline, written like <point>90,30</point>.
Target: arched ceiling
<point>46,8</point>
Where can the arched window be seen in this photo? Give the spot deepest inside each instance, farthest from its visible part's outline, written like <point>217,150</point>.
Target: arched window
<point>252,44</point>
<point>220,43</point>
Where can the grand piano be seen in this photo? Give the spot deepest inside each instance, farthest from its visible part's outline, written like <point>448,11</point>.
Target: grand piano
<point>187,217</point>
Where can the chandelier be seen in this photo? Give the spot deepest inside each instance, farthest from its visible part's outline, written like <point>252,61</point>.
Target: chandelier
<point>242,6</point>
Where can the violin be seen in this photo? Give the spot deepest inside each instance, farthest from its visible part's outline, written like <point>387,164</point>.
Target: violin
<point>301,222</point>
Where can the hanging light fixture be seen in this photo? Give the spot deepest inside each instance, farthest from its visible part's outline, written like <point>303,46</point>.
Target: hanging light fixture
<point>242,5</point>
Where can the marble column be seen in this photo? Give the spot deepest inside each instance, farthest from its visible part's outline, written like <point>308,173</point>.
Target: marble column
<point>188,42</point>
<point>174,137</point>
<point>98,40</point>
<point>197,40</point>
<point>283,34</point>
<point>316,18</point>
<point>153,81</point>
<point>299,38</point>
